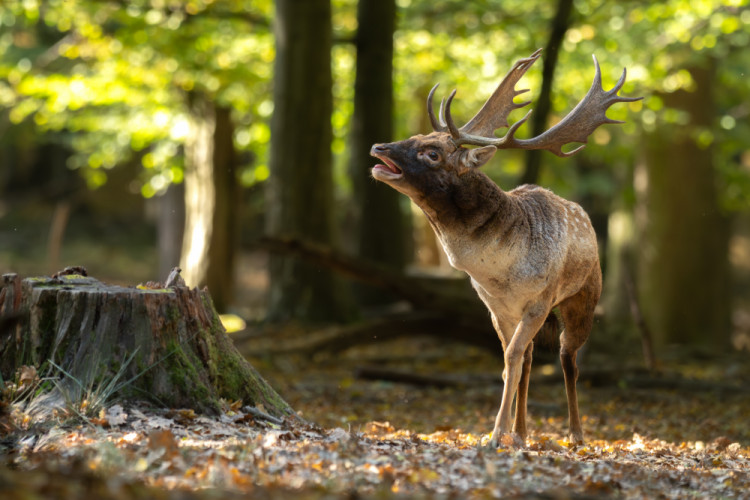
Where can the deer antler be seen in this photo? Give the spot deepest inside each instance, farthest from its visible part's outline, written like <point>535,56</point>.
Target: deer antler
<point>494,113</point>
<point>577,125</point>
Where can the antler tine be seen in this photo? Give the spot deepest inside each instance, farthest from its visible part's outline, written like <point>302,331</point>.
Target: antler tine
<point>619,85</point>
<point>597,83</point>
<point>449,119</point>
<point>442,115</point>
<point>512,130</point>
<point>436,126</point>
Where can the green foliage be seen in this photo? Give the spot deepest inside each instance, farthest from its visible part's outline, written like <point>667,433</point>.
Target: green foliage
<point>110,78</point>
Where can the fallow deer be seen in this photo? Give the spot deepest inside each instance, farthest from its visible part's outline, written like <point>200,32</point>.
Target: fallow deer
<point>527,251</point>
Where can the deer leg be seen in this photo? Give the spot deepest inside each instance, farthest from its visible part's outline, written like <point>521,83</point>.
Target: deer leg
<point>514,361</point>
<point>570,370</point>
<point>519,426</point>
<point>578,317</point>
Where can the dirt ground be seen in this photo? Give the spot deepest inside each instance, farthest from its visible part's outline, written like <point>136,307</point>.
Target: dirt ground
<point>685,435</point>
<point>681,433</point>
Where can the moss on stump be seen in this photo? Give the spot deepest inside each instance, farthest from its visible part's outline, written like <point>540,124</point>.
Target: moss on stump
<point>181,354</point>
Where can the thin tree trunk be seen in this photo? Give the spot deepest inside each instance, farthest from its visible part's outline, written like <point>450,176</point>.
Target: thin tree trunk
<point>211,201</point>
<point>300,191</point>
<point>170,226</point>
<point>558,28</point>
<point>621,327</point>
<point>224,237</point>
<point>380,221</point>
<point>200,191</point>
<point>60,218</point>
<point>647,343</point>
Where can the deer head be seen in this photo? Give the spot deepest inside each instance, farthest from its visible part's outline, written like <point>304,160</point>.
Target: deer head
<point>422,161</point>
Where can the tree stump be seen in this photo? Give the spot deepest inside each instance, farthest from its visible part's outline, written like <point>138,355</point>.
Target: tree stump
<point>168,343</point>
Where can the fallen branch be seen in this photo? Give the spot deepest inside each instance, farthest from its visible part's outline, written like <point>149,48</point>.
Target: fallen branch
<point>423,293</point>
<point>597,378</point>
<point>403,377</point>
<point>409,324</point>
<point>262,415</point>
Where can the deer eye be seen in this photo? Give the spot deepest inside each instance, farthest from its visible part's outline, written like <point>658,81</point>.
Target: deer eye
<point>432,155</point>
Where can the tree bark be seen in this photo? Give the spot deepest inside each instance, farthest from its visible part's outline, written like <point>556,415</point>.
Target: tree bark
<point>168,342</point>
<point>684,271</point>
<point>300,191</point>
<point>379,219</point>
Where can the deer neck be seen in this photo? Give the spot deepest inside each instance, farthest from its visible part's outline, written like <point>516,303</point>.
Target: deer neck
<point>468,215</point>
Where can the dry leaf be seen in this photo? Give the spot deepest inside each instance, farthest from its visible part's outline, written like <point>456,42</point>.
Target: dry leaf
<point>27,375</point>
<point>163,439</point>
<point>116,415</point>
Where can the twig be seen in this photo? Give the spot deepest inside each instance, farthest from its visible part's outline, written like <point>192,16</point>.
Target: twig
<point>259,414</point>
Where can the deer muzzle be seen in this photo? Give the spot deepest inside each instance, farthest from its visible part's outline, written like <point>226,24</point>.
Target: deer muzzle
<point>388,170</point>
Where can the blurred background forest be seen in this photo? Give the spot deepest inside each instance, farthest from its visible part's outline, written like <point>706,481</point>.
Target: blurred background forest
<point>233,138</point>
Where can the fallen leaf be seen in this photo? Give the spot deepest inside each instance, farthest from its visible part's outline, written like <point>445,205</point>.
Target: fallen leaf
<point>163,439</point>
<point>27,375</point>
<point>115,415</point>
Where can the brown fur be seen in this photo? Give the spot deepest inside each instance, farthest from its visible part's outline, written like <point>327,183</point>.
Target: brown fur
<point>526,251</point>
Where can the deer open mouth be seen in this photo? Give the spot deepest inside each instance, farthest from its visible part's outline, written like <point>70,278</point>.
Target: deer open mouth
<point>386,171</point>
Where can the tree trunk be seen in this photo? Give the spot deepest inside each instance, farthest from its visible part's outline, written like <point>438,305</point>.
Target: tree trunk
<point>170,227</point>
<point>558,27</point>
<point>300,190</point>
<point>380,222</point>
<point>224,237</point>
<point>200,192</point>
<point>620,266</point>
<point>168,342</point>
<point>684,266</point>
<point>211,199</point>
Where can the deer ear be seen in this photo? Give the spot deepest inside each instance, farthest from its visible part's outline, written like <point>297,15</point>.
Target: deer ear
<point>475,158</point>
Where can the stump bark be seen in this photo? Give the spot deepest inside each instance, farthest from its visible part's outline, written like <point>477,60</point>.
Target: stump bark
<point>167,342</point>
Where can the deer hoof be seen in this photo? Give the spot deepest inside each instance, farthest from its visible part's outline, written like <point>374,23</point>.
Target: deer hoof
<point>576,439</point>
<point>509,440</point>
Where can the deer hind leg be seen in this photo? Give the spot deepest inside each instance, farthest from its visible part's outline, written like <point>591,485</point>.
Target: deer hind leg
<point>578,317</point>
<point>519,426</point>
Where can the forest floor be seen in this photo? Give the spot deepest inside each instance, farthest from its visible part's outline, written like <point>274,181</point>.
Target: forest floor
<point>681,434</point>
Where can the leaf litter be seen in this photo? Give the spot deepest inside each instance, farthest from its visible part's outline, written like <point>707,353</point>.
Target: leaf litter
<point>373,439</point>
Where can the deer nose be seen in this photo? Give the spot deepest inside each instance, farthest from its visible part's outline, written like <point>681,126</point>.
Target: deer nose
<point>378,149</point>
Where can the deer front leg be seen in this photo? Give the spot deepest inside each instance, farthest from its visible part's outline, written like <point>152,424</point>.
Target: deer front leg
<point>514,363</point>
<point>519,426</point>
